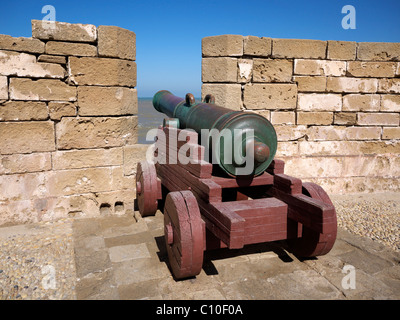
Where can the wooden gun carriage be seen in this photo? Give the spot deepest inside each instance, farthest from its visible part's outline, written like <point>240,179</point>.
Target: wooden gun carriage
<point>206,209</point>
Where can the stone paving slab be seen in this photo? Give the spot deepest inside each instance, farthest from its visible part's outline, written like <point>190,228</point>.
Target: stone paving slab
<point>125,258</point>
<point>261,271</point>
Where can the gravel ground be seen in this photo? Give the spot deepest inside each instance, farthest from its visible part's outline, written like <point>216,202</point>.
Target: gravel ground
<point>376,216</point>
<point>37,261</point>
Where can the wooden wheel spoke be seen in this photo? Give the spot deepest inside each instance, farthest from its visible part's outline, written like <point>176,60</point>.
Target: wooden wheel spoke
<point>147,188</point>
<point>312,243</point>
<point>185,253</point>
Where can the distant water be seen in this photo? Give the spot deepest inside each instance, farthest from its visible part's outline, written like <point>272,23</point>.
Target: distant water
<point>149,118</point>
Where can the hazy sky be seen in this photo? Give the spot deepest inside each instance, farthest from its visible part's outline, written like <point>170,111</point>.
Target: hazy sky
<point>169,33</point>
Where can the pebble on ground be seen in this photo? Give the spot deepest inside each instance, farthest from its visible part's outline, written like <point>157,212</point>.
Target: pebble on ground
<point>38,265</point>
<point>374,216</point>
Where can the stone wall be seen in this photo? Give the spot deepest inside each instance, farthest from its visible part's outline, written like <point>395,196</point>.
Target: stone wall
<point>68,119</point>
<point>335,105</point>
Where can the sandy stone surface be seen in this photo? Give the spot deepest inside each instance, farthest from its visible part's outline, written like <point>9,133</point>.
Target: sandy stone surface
<point>124,257</point>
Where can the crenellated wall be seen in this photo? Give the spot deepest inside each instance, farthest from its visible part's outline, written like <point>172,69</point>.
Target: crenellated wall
<point>68,119</point>
<point>335,104</point>
<point>68,114</point>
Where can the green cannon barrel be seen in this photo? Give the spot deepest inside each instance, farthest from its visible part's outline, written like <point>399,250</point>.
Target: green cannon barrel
<point>248,137</point>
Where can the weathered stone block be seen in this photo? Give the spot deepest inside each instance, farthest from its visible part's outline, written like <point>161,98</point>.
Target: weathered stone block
<point>224,45</point>
<point>343,84</point>
<point>270,96</point>
<point>120,202</point>
<point>345,118</point>
<point>71,49</point>
<point>25,65</point>
<point>279,117</point>
<point>62,31</point>
<point>371,69</point>
<point>21,44</point>
<point>378,51</point>
<point>222,69</point>
<point>369,174</point>
<point>122,182</point>
<point>81,205</point>
<point>334,133</point>
<point>290,132</point>
<point>341,50</point>
<point>391,133</point>
<point>245,70</point>
<point>326,133</point>
<point>102,71</point>
<point>78,181</point>
<point>315,118</point>
<point>319,67</point>
<point>255,46</point>
<point>364,166</point>
<point>385,119</point>
<point>18,211</point>
<point>324,148</point>
<point>310,84</point>
<point>361,102</point>
<point>390,102</point>
<point>314,167</point>
<point>293,48</point>
<point>133,155</point>
<point>379,147</point>
<point>226,95</point>
<point>116,42</point>
<point>287,149</point>
<point>23,110</point>
<point>3,88</point>
<point>99,132</point>
<point>23,163</point>
<point>107,101</point>
<point>319,102</point>
<point>363,133</point>
<point>26,137</point>
<point>358,184</point>
<point>272,70</point>
<point>59,109</point>
<point>77,159</point>
<point>52,59</point>
<point>28,186</point>
<point>389,85</point>
<point>265,113</point>
<point>43,89</point>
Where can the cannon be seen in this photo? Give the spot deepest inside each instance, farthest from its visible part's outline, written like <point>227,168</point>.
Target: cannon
<point>210,202</point>
<point>207,117</point>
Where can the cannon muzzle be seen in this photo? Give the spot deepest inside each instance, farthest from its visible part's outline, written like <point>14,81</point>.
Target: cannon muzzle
<point>244,143</point>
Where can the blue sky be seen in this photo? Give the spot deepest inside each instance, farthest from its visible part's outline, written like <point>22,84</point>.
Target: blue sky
<point>169,32</point>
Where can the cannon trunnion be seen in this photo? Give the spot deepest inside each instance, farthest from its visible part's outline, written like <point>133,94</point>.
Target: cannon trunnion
<point>208,209</point>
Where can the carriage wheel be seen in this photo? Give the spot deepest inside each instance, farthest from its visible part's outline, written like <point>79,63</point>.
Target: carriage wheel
<point>184,234</point>
<point>313,243</point>
<point>146,188</point>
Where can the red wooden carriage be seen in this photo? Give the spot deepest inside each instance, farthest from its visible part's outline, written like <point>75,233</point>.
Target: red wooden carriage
<point>204,210</point>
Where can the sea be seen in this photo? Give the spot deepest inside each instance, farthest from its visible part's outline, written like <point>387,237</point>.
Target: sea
<point>148,118</point>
